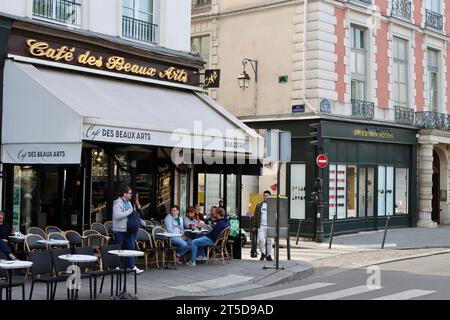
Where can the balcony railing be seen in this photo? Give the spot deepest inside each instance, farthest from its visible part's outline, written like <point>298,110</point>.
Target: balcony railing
<point>138,30</point>
<point>59,10</point>
<point>362,109</point>
<point>434,19</point>
<point>200,4</point>
<point>401,8</point>
<point>432,120</point>
<point>404,115</point>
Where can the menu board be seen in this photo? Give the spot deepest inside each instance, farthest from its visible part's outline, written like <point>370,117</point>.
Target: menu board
<point>298,192</point>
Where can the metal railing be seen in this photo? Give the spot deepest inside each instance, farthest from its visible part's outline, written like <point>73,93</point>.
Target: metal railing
<point>432,120</point>
<point>139,30</point>
<point>434,19</point>
<point>362,109</point>
<point>404,115</point>
<point>200,4</point>
<point>401,8</point>
<point>58,10</point>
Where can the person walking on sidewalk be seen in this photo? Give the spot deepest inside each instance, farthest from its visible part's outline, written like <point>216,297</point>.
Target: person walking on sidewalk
<point>122,208</point>
<point>208,240</point>
<point>259,224</point>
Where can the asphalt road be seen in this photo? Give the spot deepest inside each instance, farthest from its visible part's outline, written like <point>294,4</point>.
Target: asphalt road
<point>420,278</point>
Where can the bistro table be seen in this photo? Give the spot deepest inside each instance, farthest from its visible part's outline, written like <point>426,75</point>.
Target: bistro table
<point>75,259</point>
<point>124,254</point>
<point>54,242</point>
<point>196,231</point>
<point>10,266</point>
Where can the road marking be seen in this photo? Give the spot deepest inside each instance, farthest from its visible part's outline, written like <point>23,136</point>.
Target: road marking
<point>342,293</point>
<point>406,295</point>
<point>284,292</point>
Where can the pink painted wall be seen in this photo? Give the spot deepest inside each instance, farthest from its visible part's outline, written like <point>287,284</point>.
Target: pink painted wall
<point>339,13</point>
<point>383,5</point>
<point>420,86</point>
<point>383,65</point>
<point>417,14</point>
<point>448,79</point>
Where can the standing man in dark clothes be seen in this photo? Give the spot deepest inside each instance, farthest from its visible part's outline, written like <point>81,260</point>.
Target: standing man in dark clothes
<point>208,240</point>
<point>5,231</point>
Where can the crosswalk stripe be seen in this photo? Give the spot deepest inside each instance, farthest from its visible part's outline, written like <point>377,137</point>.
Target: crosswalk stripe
<point>284,292</point>
<point>342,293</point>
<point>405,295</point>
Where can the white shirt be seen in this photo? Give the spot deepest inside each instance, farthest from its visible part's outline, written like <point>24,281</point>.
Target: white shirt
<point>264,214</point>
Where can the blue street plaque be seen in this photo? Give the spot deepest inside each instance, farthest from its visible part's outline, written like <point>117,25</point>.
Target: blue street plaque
<point>298,108</point>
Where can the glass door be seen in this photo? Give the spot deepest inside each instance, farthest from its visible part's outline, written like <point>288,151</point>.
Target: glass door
<point>366,203</point>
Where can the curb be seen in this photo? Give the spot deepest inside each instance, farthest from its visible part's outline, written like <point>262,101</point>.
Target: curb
<point>297,272</point>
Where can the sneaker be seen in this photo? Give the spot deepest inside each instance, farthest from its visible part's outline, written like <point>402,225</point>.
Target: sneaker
<point>138,271</point>
<point>201,258</point>
<point>190,264</point>
<point>117,268</point>
<point>178,260</point>
<point>263,256</point>
<point>269,258</point>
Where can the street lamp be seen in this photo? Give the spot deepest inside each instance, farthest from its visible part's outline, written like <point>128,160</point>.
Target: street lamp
<point>244,77</point>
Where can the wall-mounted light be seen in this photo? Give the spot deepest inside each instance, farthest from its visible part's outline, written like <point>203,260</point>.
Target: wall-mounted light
<point>244,77</point>
<point>98,155</point>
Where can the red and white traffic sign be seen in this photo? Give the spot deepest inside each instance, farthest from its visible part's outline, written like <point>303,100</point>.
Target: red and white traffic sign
<point>322,161</point>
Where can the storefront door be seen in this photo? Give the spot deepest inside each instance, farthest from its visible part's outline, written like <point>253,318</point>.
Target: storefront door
<point>366,205</point>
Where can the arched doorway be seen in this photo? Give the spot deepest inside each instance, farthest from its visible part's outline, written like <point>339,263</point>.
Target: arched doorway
<point>436,207</point>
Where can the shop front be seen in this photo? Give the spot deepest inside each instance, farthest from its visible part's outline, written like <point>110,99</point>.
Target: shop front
<point>371,175</point>
<point>81,118</point>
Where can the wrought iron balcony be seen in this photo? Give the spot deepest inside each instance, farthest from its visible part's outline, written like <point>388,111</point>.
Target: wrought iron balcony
<point>401,8</point>
<point>404,115</point>
<point>138,30</point>
<point>362,109</point>
<point>432,120</point>
<point>59,10</point>
<point>200,4</point>
<point>434,19</point>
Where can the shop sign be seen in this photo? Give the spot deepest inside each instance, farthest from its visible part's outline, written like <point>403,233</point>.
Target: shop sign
<point>94,59</point>
<point>212,79</point>
<point>384,134</point>
<point>41,153</point>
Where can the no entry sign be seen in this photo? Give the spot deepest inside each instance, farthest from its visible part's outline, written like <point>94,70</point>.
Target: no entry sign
<point>322,161</point>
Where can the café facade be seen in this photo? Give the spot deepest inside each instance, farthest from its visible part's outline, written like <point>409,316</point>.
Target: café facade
<point>84,114</point>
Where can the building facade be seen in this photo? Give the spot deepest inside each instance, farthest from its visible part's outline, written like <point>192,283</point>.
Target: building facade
<point>86,110</point>
<point>372,73</point>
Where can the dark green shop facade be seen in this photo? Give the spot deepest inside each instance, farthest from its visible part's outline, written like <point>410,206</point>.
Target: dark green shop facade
<point>371,175</point>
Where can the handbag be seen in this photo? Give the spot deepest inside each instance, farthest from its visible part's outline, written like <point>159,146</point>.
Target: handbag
<point>134,222</point>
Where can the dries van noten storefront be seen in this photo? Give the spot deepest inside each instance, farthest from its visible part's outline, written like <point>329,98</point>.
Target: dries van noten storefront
<point>84,115</point>
<point>372,174</point>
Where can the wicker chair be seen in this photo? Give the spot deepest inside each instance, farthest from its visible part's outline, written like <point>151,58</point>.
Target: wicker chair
<point>219,249</point>
<point>31,243</point>
<point>52,229</point>
<point>74,238</point>
<point>164,247</point>
<point>100,228</point>
<point>109,226</point>
<point>145,243</point>
<point>38,231</point>
<point>58,236</point>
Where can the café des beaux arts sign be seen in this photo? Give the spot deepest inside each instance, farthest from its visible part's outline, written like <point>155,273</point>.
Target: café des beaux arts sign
<point>83,57</point>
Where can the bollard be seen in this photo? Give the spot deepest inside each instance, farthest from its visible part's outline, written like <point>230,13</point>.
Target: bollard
<point>385,232</point>
<point>332,231</point>
<point>298,232</point>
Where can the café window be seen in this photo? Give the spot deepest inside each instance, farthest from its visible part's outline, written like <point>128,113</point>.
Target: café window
<point>337,191</point>
<point>401,190</point>
<point>25,198</point>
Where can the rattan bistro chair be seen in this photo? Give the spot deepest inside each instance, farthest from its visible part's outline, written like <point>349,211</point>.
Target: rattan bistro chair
<point>52,229</point>
<point>144,243</point>
<point>100,228</point>
<point>31,243</point>
<point>164,247</point>
<point>219,249</point>
<point>38,231</point>
<point>75,239</point>
<point>58,236</point>
<point>109,226</point>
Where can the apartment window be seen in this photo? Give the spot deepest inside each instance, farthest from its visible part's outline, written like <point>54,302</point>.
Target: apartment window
<point>201,45</point>
<point>400,71</point>
<point>63,11</point>
<point>137,20</point>
<point>433,80</point>
<point>433,16</point>
<point>434,5</point>
<point>358,63</point>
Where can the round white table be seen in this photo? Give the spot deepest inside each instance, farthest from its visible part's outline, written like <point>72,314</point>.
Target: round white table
<point>10,266</point>
<point>75,259</point>
<point>56,243</point>
<point>124,254</point>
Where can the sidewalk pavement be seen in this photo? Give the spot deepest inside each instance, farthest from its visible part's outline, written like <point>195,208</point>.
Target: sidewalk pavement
<point>213,279</point>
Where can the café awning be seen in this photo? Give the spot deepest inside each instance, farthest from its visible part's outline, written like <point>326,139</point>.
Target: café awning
<point>48,113</point>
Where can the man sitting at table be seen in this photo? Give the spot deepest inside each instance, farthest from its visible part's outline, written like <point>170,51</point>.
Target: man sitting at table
<point>5,231</point>
<point>190,221</point>
<point>173,223</point>
<point>208,240</point>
